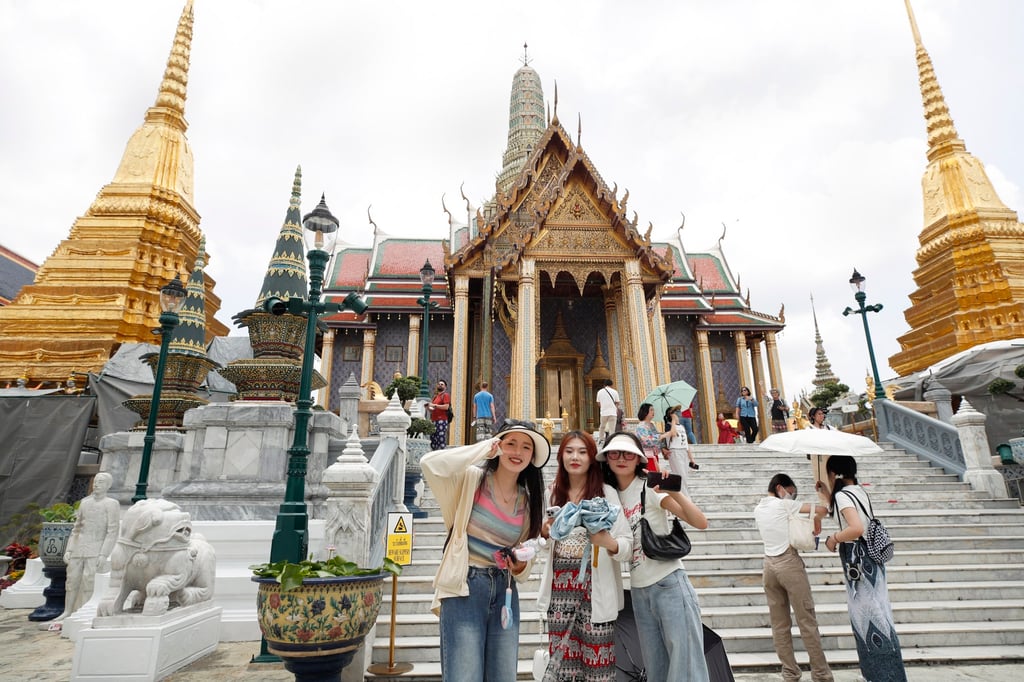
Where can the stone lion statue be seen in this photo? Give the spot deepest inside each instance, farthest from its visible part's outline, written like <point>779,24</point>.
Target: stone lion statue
<point>158,560</point>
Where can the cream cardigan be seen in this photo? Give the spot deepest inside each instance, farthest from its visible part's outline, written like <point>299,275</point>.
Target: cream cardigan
<point>454,475</point>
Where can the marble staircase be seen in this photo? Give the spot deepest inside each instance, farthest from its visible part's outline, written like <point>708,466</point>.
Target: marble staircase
<point>956,582</point>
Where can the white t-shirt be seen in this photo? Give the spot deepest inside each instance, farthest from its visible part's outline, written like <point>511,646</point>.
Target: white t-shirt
<point>843,501</point>
<point>772,518</point>
<point>644,571</point>
<point>607,397</point>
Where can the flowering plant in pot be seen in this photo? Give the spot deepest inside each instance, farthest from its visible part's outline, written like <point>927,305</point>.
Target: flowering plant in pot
<point>315,614</point>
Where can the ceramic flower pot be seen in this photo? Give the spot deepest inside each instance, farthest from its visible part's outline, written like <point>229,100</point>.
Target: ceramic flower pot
<point>53,540</point>
<point>317,628</point>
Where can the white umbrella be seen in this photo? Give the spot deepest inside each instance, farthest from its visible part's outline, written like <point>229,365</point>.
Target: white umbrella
<point>821,442</point>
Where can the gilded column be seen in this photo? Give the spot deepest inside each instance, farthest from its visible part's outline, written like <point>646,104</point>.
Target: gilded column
<point>369,350</point>
<point>659,341</point>
<point>486,327</point>
<point>522,392</point>
<point>326,363</point>
<point>643,356</point>
<point>743,360</point>
<point>759,390</point>
<point>708,407</point>
<point>617,345</point>
<point>460,364</point>
<point>412,367</point>
<point>774,365</point>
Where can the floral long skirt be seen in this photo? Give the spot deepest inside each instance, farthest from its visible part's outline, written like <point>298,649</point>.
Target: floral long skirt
<point>878,646</point>
<point>439,439</point>
<point>581,651</point>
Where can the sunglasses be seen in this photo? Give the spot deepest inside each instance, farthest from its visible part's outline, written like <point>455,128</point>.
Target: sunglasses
<point>620,454</point>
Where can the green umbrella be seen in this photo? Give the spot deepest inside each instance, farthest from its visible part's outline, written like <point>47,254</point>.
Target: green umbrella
<point>669,395</point>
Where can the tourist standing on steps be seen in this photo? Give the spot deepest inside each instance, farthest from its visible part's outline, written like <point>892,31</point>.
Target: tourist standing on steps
<point>92,539</point>
<point>785,579</point>
<point>679,448</point>
<point>608,399</point>
<point>438,407</point>
<point>491,496</point>
<point>867,595</point>
<point>780,413</point>
<point>746,412</point>
<point>581,587</point>
<point>686,419</point>
<point>664,602</point>
<point>483,412</point>
<point>649,435</point>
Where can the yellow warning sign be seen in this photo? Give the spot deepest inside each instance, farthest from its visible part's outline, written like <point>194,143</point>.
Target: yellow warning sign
<point>399,542</point>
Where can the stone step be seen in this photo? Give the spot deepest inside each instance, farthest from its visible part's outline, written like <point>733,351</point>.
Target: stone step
<point>761,662</point>
<point>424,648</point>
<point>425,624</point>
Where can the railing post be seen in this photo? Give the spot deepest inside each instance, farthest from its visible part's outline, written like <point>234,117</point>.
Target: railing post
<point>394,423</point>
<point>940,395</point>
<point>977,454</point>
<point>350,482</point>
<point>348,403</point>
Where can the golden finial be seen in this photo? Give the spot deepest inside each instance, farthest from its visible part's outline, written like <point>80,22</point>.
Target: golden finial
<point>173,87</point>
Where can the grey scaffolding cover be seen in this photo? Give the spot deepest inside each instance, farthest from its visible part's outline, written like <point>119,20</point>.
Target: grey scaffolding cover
<point>968,374</point>
<point>40,441</point>
<point>126,375</point>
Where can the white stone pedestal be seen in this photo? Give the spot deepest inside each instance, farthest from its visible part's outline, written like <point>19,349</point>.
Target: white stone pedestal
<point>27,593</point>
<point>135,648</point>
<point>82,618</point>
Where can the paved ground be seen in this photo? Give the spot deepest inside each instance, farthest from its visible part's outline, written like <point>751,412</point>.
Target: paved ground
<point>28,654</point>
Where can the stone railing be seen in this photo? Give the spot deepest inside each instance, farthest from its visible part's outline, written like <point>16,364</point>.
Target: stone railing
<point>962,448</point>
<point>921,435</point>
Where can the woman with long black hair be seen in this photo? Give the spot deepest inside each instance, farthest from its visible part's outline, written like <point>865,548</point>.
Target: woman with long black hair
<point>867,595</point>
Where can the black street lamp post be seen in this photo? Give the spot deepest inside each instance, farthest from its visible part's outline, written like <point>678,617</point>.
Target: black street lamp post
<point>427,279</point>
<point>857,282</point>
<point>291,540</point>
<point>172,297</point>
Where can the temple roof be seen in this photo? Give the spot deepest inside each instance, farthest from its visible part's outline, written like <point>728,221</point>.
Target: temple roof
<point>15,272</point>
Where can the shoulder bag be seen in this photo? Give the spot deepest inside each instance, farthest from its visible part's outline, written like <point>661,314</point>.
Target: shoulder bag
<point>876,538</point>
<point>801,530</point>
<point>675,545</point>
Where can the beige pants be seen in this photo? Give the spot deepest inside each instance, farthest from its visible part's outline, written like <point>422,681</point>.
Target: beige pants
<point>786,585</point>
<point>608,426</point>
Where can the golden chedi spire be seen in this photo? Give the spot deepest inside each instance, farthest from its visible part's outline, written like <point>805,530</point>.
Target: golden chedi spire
<point>970,274</point>
<point>100,286</point>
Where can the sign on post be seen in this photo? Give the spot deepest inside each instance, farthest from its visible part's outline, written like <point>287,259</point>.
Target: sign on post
<point>399,542</point>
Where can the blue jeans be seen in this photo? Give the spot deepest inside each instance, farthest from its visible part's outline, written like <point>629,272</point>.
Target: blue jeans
<point>688,427</point>
<point>474,647</point>
<point>671,635</point>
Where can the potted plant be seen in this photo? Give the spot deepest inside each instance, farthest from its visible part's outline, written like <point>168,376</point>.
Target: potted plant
<point>58,522</point>
<point>315,614</point>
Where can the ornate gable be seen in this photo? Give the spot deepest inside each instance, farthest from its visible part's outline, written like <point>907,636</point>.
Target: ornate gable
<point>558,207</point>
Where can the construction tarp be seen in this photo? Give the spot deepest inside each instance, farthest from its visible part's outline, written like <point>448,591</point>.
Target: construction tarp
<point>968,375</point>
<point>126,375</point>
<point>41,438</point>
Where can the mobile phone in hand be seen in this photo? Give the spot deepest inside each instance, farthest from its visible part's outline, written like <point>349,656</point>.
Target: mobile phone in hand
<point>653,478</point>
<point>671,482</point>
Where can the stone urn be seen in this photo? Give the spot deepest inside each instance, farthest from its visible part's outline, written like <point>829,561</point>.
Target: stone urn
<point>53,541</point>
<point>316,628</point>
<point>415,448</point>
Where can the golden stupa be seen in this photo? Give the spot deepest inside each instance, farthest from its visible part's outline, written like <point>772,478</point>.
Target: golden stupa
<point>100,287</point>
<point>970,274</point>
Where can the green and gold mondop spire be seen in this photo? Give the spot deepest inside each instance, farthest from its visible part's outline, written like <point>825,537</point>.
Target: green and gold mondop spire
<point>286,273</point>
<point>189,337</point>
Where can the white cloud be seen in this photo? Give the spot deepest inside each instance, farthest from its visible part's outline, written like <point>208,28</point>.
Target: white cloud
<point>798,124</point>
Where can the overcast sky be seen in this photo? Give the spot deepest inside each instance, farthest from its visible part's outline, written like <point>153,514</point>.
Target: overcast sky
<point>797,123</point>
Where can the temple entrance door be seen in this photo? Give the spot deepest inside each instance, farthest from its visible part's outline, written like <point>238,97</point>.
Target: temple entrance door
<point>560,381</point>
<point>560,385</point>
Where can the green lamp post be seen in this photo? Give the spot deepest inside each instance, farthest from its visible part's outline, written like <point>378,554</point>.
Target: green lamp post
<point>291,539</point>
<point>172,297</point>
<point>427,279</point>
<point>857,282</point>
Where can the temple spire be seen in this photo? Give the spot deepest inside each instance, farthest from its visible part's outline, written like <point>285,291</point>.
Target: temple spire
<point>526,123</point>
<point>823,373</point>
<point>170,99</point>
<point>943,139</point>
<point>189,337</point>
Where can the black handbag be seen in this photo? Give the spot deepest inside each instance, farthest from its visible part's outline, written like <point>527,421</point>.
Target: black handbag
<point>675,545</point>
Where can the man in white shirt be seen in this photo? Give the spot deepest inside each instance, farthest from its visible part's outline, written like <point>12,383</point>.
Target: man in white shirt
<point>608,399</point>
